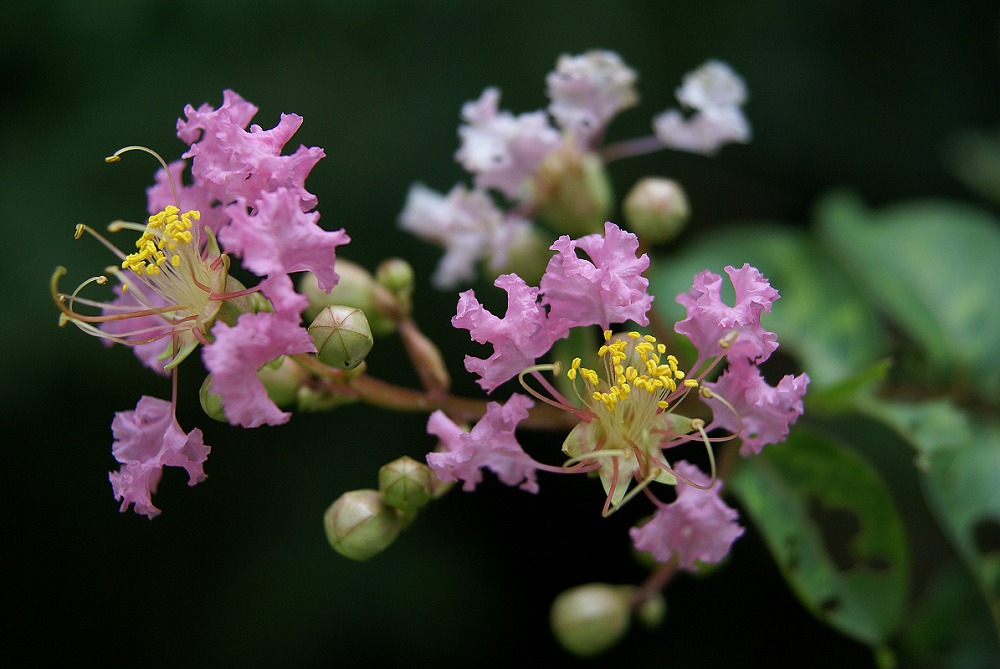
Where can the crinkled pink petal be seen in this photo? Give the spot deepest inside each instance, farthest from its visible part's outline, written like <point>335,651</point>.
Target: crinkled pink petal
<point>235,163</point>
<point>697,526</point>
<point>765,413</point>
<point>587,91</point>
<point>490,444</point>
<point>606,288</point>
<point>518,339</point>
<point>279,238</point>
<point>139,329</point>
<point>147,440</point>
<point>287,303</point>
<point>503,151</point>
<point>709,320</point>
<point>236,355</point>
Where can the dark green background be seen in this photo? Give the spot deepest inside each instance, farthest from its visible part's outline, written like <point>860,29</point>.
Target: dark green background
<point>237,570</point>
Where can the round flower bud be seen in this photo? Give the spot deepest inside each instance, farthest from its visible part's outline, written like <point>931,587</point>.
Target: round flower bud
<point>342,336</point>
<point>572,191</point>
<point>396,275</point>
<point>405,484</point>
<point>590,619</point>
<point>656,209</point>
<point>360,525</point>
<point>211,403</point>
<point>355,288</point>
<point>282,379</point>
<point>650,612</point>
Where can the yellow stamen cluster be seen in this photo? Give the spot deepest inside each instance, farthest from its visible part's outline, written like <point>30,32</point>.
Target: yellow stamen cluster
<point>632,363</point>
<point>163,233</point>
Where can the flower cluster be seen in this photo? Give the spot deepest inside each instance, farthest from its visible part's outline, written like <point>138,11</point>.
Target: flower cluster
<point>549,164</point>
<point>174,293</point>
<point>628,415</point>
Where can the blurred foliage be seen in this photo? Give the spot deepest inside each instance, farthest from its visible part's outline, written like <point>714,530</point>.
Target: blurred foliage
<point>237,571</point>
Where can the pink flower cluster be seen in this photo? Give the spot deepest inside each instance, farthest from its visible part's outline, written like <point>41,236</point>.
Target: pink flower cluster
<point>254,201</point>
<point>503,151</point>
<point>607,287</point>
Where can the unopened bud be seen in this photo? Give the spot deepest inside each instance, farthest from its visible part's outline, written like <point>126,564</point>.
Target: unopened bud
<point>282,381</point>
<point>656,209</point>
<point>355,288</point>
<point>342,336</point>
<point>406,484</point>
<point>651,612</point>
<point>211,403</point>
<point>590,619</point>
<point>396,275</point>
<point>359,525</point>
<point>572,191</point>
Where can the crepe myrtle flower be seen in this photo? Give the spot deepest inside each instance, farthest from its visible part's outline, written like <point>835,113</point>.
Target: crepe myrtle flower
<point>628,404</point>
<point>550,165</point>
<point>174,292</point>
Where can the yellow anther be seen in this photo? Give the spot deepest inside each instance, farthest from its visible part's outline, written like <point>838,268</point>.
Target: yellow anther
<point>662,404</point>
<point>690,383</point>
<point>575,364</point>
<point>634,335</point>
<point>607,335</point>
<point>571,374</point>
<point>80,227</point>
<point>631,373</point>
<point>661,349</point>
<point>650,338</point>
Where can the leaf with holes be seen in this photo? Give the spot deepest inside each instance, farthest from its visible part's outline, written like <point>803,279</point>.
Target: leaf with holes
<point>833,529</point>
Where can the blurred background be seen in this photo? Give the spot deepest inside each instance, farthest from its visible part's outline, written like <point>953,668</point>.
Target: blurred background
<point>237,570</point>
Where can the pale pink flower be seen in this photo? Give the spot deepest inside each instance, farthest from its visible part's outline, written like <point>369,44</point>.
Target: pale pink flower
<point>716,328</point>
<point>147,440</point>
<point>521,336</point>
<point>697,526</point>
<point>502,150</point>
<point>236,355</point>
<point>490,444</point>
<point>588,90</point>
<point>765,413</point>
<point>717,94</point>
<point>608,287</point>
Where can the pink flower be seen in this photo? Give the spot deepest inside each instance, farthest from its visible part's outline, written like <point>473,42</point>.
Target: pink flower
<point>710,321</point>
<point>147,335</point>
<point>587,91</point>
<point>765,413</point>
<point>607,288</point>
<point>697,526</point>
<point>490,444</point>
<point>521,336</point>
<point>502,150</point>
<point>240,163</point>
<point>236,355</point>
<point>147,440</point>
<point>194,196</point>
<point>717,94</point>
<point>279,238</point>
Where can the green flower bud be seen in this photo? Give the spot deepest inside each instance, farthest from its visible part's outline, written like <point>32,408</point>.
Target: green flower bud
<point>360,525</point>
<point>572,191</point>
<point>211,403</point>
<point>396,275</point>
<point>650,612</point>
<point>342,336</point>
<point>405,484</point>
<point>590,619</point>
<point>356,288</point>
<point>656,209</point>
<point>282,381</point>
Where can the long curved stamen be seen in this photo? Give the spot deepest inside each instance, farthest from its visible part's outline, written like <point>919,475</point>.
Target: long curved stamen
<point>565,405</point>
<point>116,157</point>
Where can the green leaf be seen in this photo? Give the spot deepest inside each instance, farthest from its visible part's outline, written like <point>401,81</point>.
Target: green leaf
<point>821,316</point>
<point>959,462</point>
<point>932,268</point>
<point>833,530</point>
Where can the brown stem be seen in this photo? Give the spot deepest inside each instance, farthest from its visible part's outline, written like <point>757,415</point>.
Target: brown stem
<point>654,583</point>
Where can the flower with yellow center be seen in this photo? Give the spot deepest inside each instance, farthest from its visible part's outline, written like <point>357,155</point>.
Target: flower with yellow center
<point>173,286</point>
